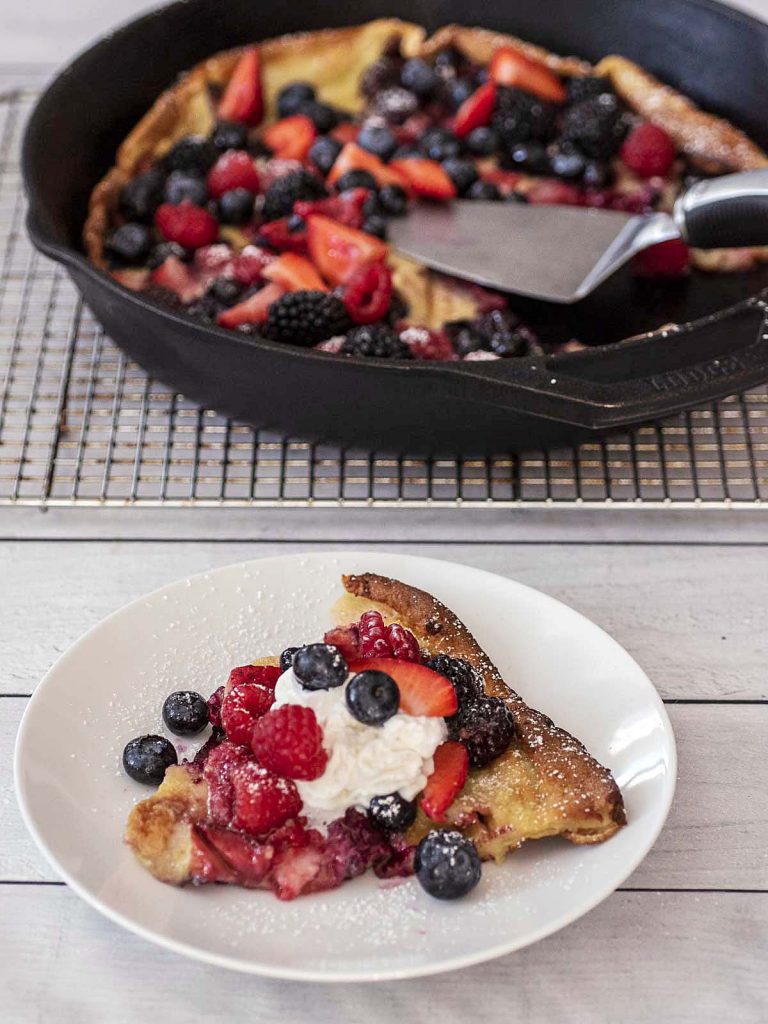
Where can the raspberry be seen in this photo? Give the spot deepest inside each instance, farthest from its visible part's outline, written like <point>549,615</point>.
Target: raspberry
<point>214,707</point>
<point>241,707</point>
<point>217,772</point>
<point>264,675</point>
<point>485,726</point>
<point>648,151</point>
<point>187,224</point>
<point>403,643</point>
<point>249,264</point>
<point>289,741</point>
<point>380,641</point>
<point>233,169</point>
<point>261,800</point>
<point>426,344</point>
<point>368,293</point>
<point>667,259</point>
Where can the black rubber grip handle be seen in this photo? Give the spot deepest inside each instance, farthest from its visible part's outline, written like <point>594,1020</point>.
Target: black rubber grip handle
<point>727,212</point>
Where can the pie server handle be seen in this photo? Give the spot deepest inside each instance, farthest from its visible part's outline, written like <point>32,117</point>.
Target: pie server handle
<point>726,212</point>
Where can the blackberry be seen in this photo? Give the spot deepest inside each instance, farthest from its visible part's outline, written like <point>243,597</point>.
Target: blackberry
<point>141,197</point>
<point>322,116</point>
<point>482,141</point>
<point>440,144</point>
<point>292,98</point>
<point>393,200</point>
<point>229,135</point>
<point>375,340</point>
<point>395,104</point>
<point>398,309</point>
<point>520,117</point>
<point>377,139</point>
<point>461,674</point>
<point>306,317</point>
<point>392,812</point>
<point>485,726</point>
<point>465,338</point>
<point>485,190</point>
<point>185,712</point>
<point>323,153</point>
<point>192,153</point>
<point>236,206</point>
<point>225,290</point>
<point>181,185</point>
<point>356,179</point>
<point>462,173</point>
<point>531,157</point>
<point>130,243</point>
<point>283,193</point>
<point>513,343</point>
<point>447,864</point>
<point>205,308</point>
<point>419,77</point>
<point>586,87</point>
<point>161,252</point>
<point>596,127</point>
<point>382,74</point>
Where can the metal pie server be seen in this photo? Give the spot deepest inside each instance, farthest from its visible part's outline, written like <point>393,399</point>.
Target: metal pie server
<point>562,253</point>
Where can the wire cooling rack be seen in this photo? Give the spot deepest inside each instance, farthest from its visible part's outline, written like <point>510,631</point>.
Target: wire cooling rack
<point>81,425</point>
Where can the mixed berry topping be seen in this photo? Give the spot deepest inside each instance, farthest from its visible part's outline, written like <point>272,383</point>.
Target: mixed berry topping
<point>297,211</point>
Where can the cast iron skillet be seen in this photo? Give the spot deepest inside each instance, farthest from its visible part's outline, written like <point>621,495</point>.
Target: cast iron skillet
<point>715,55</point>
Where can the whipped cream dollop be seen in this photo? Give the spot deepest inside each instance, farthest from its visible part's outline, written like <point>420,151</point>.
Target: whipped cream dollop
<point>363,761</point>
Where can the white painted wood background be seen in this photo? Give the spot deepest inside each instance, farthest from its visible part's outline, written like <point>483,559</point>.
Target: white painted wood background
<point>686,940</point>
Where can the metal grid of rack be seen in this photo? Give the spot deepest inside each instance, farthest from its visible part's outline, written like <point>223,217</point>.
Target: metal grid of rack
<point>81,425</point>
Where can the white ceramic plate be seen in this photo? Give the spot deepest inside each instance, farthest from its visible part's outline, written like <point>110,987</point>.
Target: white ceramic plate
<point>110,687</point>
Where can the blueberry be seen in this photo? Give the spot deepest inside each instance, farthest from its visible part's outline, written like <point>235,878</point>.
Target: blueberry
<point>356,179</point>
<point>192,153</point>
<point>377,139</point>
<point>440,144</point>
<point>419,77</point>
<point>225,290</point>
<point>392,812</point>
<point>162,251</point>
<point>393,200</point>
<point>485,190</point>
<point>396,104</point>
<point>322,116</point>
<point>296,224</point>
<point>459,91</point>
<point>447,865</point>
<point>236,206</point>
<point>185,712</point>
<point>130,243</point>
<point>482,141</point>
<point>286,658</point>
<point>292,97</point>
<point>141,197</point>
<point>181,185</point>
<point>462,173</point>
<point>229,135</point>
<point>376,226</point>
<point>596,174</point>
<point>146,758</point>
<point>372,205</point>
<point>372,697</point>
<point>567,162</point>
<point>323,153</point>
<point>319,667</point>
<point>408,152</point>
<point>531,157</point>
<point>449,62</point>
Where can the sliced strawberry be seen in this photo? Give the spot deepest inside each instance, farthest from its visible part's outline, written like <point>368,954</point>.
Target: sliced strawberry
<point>446,781</point>
<point>476,111</point>
<point>347,639</point>
<point>135,279</point>
<point>412,129</point>
<point>346,132</point>
<point>511,67</point>
<point>368,293</point>
<point>233,169</point>
<point>187,224</point>
<point>291,138</point>
<point>205,863</point>
<point>550,192</point>
<point>243,98</point>
<point>278,235</point>
<point>337,251</point>
<point>249,264</point>
<point>355,158</point>
<point>295,273</point>
<point>505,181</point>
<point>422,691</point>
<point>426,178</point>
<point>346,208</point>
<point>252,310</point>
<point>249,859</point>
<point>177,277</point>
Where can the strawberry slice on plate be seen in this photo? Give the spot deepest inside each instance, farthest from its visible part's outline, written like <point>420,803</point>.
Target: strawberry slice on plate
<point>243,98</point>
<point>422,691</point>
<point>446,781</point>
<point>294,273</point>
<point>346,208</point>
<point>476,111</point>
<point>338,251</point>
<point>426,178</point>
<point>252,310</point>
<point>513,68</point>
<point>291,138</point>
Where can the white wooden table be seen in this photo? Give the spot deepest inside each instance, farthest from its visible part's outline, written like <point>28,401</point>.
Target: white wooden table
<point>685,940</point>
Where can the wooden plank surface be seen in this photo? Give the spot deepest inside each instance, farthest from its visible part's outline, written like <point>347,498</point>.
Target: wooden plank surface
<point>696,618</point>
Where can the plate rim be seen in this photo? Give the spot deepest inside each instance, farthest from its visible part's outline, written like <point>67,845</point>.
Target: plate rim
<point>235,963</point>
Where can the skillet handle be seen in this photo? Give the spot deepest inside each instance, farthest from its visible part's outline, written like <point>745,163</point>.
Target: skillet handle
<point>727,211</point>
<point>639,379</point>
